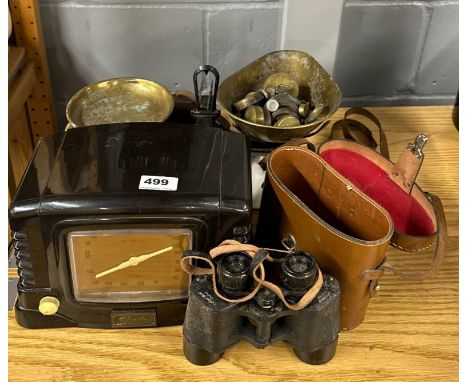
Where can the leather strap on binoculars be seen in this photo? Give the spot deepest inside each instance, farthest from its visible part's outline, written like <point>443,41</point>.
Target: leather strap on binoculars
<point>230,246</point>
<point>187,266</point>
<point>258,272</point>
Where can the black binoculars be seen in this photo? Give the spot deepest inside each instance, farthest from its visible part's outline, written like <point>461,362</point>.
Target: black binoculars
<point>213,324</point>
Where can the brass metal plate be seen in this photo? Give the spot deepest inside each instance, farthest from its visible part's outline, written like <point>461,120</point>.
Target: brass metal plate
<point>117,100</point>
<point>133,318</point>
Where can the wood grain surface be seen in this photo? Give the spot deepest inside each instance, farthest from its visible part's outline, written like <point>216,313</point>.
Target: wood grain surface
<point>410,332</point>
<point>20,146</point>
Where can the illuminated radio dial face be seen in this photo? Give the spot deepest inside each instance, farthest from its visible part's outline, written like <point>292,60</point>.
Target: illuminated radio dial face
<point>128,265</point>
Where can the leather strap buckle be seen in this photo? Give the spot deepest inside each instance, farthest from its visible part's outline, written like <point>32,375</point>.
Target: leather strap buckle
<point>374,288</point>
<point>374,276</point>
<point>405,171</point>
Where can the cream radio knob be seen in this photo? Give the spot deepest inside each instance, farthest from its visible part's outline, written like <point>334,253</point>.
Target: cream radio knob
<point>48,305</point>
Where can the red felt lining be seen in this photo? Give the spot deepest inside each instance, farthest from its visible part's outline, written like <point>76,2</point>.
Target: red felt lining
<point>407,214</point>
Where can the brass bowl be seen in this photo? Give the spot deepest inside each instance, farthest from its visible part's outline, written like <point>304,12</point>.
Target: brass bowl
<point>115,100</point>
<point>315,85</point>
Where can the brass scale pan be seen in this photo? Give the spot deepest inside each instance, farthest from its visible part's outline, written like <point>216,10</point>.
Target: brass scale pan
<point>124,99</point>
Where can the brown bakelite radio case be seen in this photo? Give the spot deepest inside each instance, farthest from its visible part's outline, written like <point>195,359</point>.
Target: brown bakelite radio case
<point>103,214</point>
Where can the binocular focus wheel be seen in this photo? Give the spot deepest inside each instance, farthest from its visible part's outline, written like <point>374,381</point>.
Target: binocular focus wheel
<point>320,356</point>
<point>198,356</point>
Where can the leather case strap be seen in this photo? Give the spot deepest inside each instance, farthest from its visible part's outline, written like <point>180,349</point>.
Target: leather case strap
<point>439,251</point>
<point>354,130</point>
<point>188,257</point>
<point>373,275</point>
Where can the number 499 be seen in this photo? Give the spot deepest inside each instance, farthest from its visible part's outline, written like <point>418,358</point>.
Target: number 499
<point>157,181</point>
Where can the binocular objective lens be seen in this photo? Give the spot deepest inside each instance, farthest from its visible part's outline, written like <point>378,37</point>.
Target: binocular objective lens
<point>298,271</point>
<point>233,271</point>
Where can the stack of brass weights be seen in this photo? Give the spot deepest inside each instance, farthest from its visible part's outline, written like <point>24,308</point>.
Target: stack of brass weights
<point>276,104</point>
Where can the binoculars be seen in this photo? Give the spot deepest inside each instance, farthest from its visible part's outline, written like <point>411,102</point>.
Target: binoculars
<point>212,324</point>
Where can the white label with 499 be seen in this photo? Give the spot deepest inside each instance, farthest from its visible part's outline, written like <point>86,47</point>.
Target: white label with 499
<point>159,183</point>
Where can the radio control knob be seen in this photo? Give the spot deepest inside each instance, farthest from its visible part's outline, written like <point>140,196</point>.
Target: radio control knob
<point>48,305</point>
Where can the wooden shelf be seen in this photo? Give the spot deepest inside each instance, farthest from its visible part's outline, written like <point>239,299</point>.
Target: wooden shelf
<point>16,59</point>
<point>30,111</point>
<point>27,29</point>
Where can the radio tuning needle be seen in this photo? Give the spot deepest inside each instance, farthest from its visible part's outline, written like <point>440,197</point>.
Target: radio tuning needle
<point>133,261</point>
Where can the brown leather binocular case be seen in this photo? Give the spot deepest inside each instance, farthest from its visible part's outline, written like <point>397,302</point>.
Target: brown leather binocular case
<point>345,206</point>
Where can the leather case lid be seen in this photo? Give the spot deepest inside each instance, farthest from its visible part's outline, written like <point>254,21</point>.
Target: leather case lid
<point>412,214</point>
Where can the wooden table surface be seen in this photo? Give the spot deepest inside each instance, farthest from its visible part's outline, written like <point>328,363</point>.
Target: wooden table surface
<point>410,332</point>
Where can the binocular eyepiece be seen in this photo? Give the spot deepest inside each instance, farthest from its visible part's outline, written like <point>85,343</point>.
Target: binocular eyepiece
<point>297,274</point>
<point>234,274</point>
<point>298,271</point>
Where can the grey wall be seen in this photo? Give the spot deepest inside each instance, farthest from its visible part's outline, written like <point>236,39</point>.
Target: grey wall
<point>389,52</point>
<point>398,52</point>
<point>92,40</point>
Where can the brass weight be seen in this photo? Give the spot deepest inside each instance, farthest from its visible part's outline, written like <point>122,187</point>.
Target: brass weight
<point>284,111</point>
<point>278,103</point>
<point>272,105</point>
<point>303,109</point>
<point>250,99</point>
<point>271,91</point>
<point>314,114</point>
<point>254,114</point>
<point>267,116</point>
<point>287,121</point>
<point>283,82</point>
<point>286,100</point>
<point>286,97</point>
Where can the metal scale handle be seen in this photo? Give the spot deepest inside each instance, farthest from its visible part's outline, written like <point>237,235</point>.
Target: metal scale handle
<point>206,91</point>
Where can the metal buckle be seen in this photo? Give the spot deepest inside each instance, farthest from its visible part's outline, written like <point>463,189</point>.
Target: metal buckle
<point>289,243</point>
<point>374,288</point>
<point>417,146</point>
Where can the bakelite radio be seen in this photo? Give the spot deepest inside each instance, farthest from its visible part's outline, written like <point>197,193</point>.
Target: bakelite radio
<point>103,214</point>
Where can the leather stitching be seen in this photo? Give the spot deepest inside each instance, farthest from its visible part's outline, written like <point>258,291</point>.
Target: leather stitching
<point>412,250</point>
<point>299,203</point>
